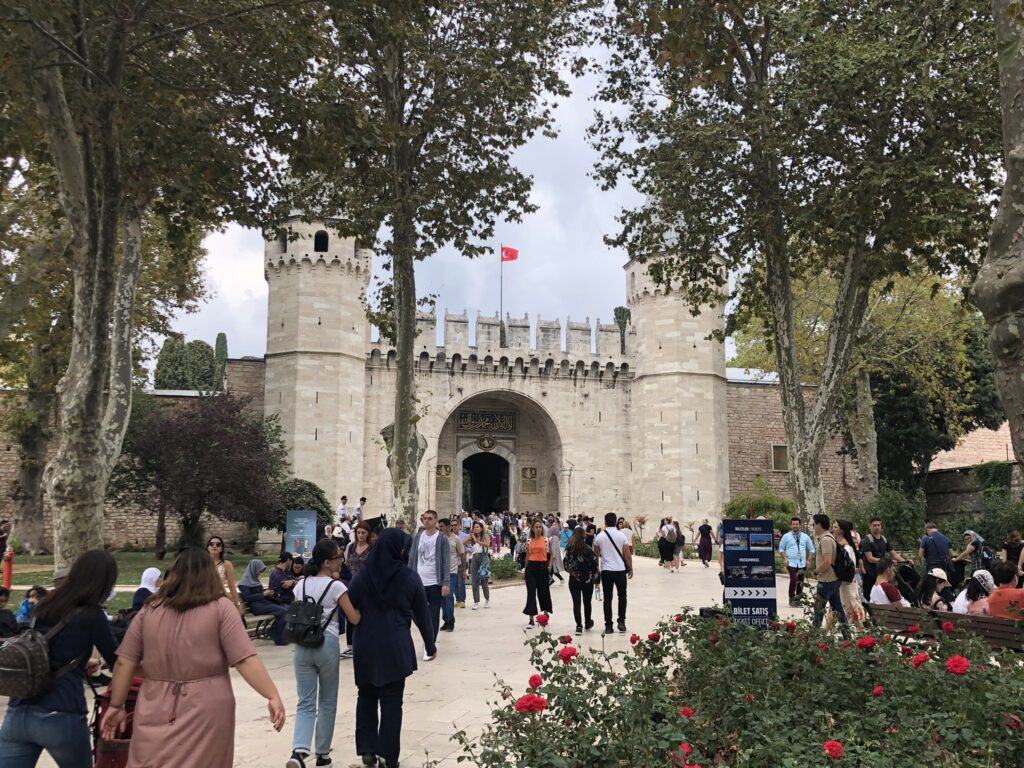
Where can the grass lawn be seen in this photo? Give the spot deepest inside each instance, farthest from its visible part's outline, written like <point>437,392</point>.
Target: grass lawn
<point>130,565</point>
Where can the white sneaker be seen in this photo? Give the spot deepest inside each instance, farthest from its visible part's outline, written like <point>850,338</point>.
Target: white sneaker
<point>475,606</point>
<point>487,603</point>
<point>426,656</point>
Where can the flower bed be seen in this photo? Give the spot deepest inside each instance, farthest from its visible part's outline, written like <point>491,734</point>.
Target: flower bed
<point>709,692</point>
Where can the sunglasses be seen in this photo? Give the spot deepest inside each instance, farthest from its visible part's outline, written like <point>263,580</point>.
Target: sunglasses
<point>216,544</point>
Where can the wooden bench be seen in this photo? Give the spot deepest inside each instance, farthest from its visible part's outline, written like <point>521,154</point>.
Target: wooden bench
<point>899,619</point>
<point>258,626</point>
<point>1001,634</point>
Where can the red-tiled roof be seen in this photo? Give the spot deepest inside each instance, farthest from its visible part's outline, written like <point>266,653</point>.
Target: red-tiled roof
<point>977,447</point>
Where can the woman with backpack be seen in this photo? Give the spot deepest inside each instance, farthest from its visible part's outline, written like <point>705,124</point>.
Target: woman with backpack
<point>56,719</point>
<point>390,598</point>
<point>849,592</point>
<point>316,656</point>
<point>187,636</point>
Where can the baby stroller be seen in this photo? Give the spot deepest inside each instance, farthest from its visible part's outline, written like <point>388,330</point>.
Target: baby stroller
<point>113,753</point>
<point>907,582</point>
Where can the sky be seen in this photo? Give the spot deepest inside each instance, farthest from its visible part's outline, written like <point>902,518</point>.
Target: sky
<point>564,267</point>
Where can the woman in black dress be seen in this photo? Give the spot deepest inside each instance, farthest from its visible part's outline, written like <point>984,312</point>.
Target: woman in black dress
<point>704,534</point>
<point>390,597</point>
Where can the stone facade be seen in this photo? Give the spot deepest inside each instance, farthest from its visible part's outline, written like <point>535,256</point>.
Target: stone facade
<point>571,424</point>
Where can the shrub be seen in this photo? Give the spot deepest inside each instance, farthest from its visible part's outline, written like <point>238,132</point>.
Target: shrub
<point>903,517</point>
<point>1000,514</point>
<point>503,568</point>
<point>760,501</point>
<point>645,548</point>
<point>736,696</point>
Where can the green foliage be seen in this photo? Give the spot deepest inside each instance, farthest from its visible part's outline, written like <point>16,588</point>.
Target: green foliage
<point>622,318</point>
<point>1000,514</point>
<point>755,698</point>
<point>170,364</point>
<point>220,353</point>
<point>296,493</point>
<point>993,475</point>
<point>503,568</point>
<point>902,515</point>
<point>191,366</point>
<point>645,548</point>
<point>760,501</point>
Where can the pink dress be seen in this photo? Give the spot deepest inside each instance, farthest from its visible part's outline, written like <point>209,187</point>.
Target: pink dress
<point>185,714</point>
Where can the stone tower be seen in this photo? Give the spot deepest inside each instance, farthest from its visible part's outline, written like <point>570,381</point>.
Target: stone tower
<point>679,429</point>
<point>317,337</point>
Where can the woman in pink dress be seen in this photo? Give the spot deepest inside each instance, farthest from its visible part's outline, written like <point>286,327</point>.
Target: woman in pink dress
<point>186,637</point>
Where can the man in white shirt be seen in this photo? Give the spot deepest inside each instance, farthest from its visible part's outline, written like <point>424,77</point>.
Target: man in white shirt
<point>430,557</point>
<point>467,521</point>
<point>342,510</point>
<point>615,556</point>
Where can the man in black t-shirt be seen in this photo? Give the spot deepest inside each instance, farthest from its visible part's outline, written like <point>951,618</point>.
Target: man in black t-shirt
<point>872,547</point>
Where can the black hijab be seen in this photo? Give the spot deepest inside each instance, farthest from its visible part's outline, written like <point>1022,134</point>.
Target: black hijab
<point>385,575</point>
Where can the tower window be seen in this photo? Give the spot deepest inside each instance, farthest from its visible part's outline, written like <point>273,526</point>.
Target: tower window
<point>320,241</point>
<point>282,243</point>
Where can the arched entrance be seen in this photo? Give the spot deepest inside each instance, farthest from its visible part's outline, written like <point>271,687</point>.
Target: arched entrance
<point>485,482</point>
<point>498,450</point>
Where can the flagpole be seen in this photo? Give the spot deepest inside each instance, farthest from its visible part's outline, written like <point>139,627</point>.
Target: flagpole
<point>501,290</point>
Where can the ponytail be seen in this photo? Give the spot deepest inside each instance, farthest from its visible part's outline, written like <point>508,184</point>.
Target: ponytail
<point>325,549</point>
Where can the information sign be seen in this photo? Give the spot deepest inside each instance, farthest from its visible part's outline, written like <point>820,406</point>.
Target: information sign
<point>301,532</point>
<point>749,550</point>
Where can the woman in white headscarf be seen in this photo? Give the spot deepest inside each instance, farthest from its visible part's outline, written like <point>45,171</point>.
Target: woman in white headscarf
<point>974,599</point>
<point>148,586</point>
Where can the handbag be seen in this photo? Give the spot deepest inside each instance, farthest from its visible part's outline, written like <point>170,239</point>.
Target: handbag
<point>483,573</point>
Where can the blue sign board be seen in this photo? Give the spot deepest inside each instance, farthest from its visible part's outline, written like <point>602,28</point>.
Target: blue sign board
<point>301,532</point>
<point>749,551</point>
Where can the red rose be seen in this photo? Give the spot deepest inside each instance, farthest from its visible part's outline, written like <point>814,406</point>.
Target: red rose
<point>887,637</point>
<point>567,722</point>
<point>947,626</point>
<point>1013,722</point>
<point>822,646</point>
<point>750,698</point>
<point>634,639</point>
<point>531,702</point>
<point>877,691</point>
<point>844,644</point>
<point>891,729</point>
<point>543,619</point>
<point>913,628</point>
<point>536,681</point>
<point>957,665</point>
<point>679,617</point>
<point>686,712</point>
<point>567,654</point>
<point>774,625</point>
<point>685,748</point>
<point>920,659</point>
<point>565,639</point>
<point>818,659</point>
<point>866,643</point>
<point>791,626</point>
<point>833,749</point>
<point>654,637</point>
<point>906,650</point>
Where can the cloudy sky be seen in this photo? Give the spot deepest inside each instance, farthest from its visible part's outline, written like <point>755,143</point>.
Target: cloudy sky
<point>564,268</point>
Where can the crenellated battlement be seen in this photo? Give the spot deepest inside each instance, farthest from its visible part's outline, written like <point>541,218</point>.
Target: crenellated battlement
<point>357,265</point>
<point>582,339</point>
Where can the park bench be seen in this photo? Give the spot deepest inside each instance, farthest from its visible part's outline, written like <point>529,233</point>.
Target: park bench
<point>1002,634</point>
<point>258,626</point>
<point>899,619</point>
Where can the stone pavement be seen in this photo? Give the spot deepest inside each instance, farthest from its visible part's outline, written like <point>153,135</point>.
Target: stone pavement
<point>456,690</point>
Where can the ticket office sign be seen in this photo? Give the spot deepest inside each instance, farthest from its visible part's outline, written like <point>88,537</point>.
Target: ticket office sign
<point>749,553</point>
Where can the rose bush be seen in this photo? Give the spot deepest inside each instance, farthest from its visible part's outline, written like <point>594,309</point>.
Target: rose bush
<point>737,696</point>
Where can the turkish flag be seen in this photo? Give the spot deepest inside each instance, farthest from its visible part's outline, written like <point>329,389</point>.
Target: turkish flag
<point>509,254</point>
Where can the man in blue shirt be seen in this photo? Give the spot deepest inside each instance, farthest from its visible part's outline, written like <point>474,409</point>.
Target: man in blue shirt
<point>935,547</point>
<point>795,546</point>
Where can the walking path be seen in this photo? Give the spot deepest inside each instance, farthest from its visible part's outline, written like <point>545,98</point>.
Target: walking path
<point>456,691</point>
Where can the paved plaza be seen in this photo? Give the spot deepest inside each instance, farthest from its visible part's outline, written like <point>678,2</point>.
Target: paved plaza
<point>456,690</point>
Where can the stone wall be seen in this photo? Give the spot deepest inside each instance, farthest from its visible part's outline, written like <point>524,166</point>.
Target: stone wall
<point>950,491</point>
<point>755,425</point>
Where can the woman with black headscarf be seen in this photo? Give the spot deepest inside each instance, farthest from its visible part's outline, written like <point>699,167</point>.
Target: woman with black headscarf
<point>389,595</point>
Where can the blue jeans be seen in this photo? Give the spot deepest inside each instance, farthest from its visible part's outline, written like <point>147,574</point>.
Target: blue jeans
<point>27,731</point>
<point>316,679</point>
<point>460,590</point>
<point>448,603</point>
<point>828,593</point>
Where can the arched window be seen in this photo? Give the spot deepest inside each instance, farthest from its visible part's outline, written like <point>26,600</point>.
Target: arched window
<point>282,243</point>
<point>320,242</point>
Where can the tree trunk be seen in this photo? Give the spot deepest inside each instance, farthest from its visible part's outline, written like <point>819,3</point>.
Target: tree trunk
<point>865,437</point>
<point>998,291</point>
<point>27,490</point>
<point>161,532</point>
<point>405,444</point>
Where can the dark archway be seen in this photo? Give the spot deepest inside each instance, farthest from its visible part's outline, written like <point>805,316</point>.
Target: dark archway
<point>485,483</point>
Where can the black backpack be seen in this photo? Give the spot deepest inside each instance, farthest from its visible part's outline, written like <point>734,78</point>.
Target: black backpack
<point>304,625</point>
<point>844,567</point>
<point>25,662</point>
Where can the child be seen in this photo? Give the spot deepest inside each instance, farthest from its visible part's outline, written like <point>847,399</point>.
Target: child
<point>8,624</point>
<point>33,596</point>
